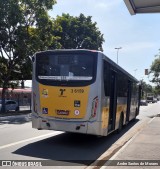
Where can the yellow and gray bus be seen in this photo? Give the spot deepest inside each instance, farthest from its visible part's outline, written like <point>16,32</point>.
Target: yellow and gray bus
<point>82,91</point>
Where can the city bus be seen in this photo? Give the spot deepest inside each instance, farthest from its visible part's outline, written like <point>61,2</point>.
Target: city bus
<point>82,91</point>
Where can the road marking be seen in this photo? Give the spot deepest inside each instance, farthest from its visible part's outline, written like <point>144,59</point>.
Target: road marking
<point>151,120</point>
<point>30,139</point>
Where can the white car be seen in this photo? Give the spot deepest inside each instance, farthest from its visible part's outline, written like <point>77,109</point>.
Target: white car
<point>10,105</point>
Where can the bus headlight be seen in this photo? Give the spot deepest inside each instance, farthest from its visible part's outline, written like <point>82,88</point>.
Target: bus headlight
<point>94,107</point>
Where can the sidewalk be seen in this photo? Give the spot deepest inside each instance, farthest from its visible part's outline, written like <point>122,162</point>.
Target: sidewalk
<point>145,145</point>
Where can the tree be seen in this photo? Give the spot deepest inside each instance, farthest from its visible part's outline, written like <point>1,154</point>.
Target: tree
<point>146,88</point>
<point>77,33</point>
<point>157,90</point>
<point>155,70</point>
<point>25,28</point>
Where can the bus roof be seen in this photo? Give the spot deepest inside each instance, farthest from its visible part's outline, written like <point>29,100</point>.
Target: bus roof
<point>69,50</point>
<point>94,51</point>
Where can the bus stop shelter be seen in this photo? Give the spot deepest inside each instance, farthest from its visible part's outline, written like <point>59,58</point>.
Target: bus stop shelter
<point>143,6</point>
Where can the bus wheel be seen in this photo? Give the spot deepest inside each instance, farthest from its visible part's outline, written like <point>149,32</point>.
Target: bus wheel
<point>120,124</point>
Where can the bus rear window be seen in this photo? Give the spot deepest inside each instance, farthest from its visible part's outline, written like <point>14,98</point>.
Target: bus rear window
<point>65,67</point>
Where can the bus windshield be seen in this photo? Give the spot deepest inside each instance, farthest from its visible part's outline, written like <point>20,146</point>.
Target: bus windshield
<point>65,67</point>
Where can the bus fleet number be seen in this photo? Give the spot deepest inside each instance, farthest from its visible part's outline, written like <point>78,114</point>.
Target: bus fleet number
<point>77,91</point>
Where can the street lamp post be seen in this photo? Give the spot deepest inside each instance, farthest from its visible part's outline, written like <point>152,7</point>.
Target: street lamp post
<point>117,52</point>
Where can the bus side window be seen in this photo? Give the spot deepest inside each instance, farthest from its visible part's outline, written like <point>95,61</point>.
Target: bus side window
<point>122,85</point>
<point>106,77</point>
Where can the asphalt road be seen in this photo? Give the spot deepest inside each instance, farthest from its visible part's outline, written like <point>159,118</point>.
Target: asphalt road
<point>18,141</point>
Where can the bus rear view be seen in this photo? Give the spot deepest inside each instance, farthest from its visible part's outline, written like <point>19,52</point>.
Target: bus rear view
<point>64,94</point>
<point>82,91</point>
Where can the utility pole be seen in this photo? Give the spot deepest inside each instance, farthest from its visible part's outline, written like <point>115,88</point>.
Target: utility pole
<point>118,52</point>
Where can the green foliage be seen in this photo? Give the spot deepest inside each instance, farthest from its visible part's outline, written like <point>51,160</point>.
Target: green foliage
<point>157,90</point>
<point>25,28</point>
<point>77,33</point>
<point>146,88</point>
<point>155,70</point>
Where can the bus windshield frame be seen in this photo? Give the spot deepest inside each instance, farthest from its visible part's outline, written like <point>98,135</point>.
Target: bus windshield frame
<point>69,68</point>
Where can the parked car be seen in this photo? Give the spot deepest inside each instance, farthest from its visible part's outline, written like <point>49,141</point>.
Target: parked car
<point>144,102</point>
<point>10,105</point>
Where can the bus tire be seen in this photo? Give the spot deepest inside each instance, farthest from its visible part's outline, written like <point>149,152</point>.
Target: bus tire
<point>120,124</point>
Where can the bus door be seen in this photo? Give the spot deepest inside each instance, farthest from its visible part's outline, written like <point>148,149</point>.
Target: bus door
<point>113,101</point>
<point>128,100</point>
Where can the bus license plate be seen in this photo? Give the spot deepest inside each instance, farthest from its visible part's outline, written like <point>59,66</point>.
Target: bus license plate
<point>63,112</point>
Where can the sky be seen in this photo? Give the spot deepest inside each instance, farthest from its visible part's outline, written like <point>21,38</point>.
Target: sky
<point>138,35</point>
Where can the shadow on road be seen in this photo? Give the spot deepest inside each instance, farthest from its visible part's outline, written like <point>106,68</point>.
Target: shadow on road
<point>16,119</point>
<point>72,148</point>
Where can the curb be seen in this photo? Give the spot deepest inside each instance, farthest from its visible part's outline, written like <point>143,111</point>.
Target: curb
<point>119,144</point>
